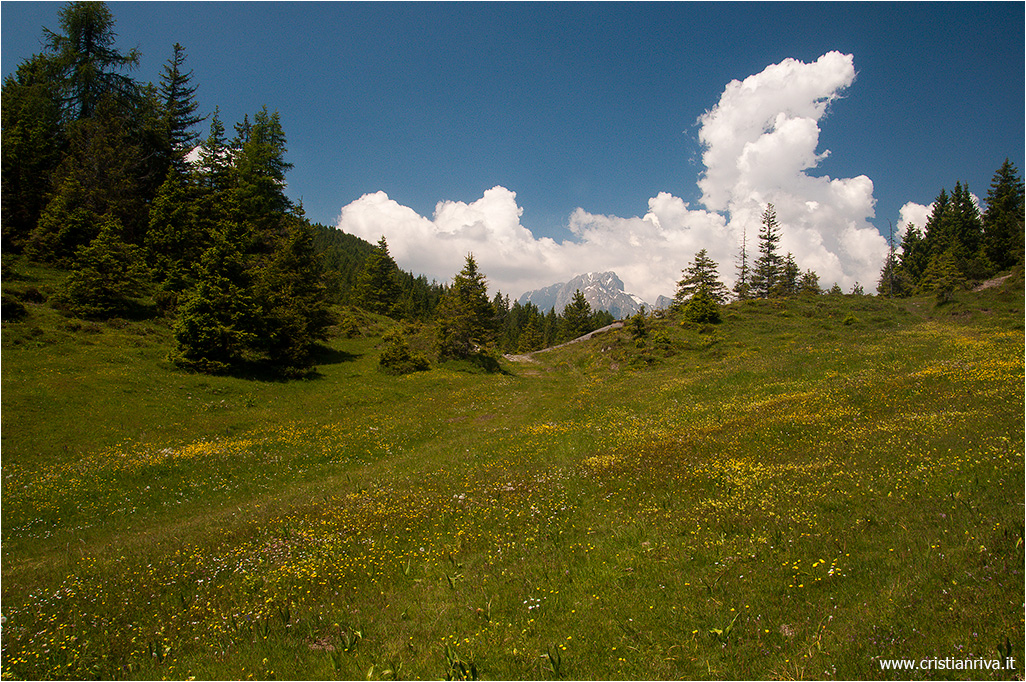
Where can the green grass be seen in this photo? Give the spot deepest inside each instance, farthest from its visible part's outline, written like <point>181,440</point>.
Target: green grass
<point>803,490</point>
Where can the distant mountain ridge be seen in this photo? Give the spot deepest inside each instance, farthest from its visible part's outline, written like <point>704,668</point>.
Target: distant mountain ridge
<point>602,290</point>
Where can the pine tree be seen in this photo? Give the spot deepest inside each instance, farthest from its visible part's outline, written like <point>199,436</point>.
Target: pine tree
<point>1003,221</point>
<point>766,272</point>
<point>700,273</point>
<point>942,276</point>
<point>530,338</point>
<point>175,240</point>
<point>397,357</point>
<point>638,326</point>
<point>464,315</point>
<point>576,316</point>
<point>107,273</point>
<point>378,283</point>
<point>216,157</point>
<point>261,168</point>
<point>99,176</point>
<point>914,254</point>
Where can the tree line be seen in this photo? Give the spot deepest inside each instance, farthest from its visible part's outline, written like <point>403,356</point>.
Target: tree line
<point>957,247</point>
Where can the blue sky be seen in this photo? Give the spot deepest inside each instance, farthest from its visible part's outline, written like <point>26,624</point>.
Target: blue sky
<point>581,107</point>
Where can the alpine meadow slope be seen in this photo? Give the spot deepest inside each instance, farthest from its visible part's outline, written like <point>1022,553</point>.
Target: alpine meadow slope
<point>810,487</point>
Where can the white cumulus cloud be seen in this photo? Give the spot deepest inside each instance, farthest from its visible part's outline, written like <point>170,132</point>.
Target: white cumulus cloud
<point>759,144</point>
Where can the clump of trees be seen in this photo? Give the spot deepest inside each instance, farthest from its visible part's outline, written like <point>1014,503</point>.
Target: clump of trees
<point>96,181</point>
<point>959,245</point>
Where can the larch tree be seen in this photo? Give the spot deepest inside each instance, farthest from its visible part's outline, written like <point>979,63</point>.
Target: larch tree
<point>89,63</point>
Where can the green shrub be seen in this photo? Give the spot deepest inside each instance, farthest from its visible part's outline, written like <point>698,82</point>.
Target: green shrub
<point>398,358</point>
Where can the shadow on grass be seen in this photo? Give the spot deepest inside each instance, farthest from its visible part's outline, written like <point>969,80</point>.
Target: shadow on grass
<point>478,363</point>
<point>261,370</point>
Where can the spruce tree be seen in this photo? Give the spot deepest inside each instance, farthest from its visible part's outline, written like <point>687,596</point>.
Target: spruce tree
<point>576,316</point>
<point>397,357</point>
<point>178,98</point>
<point>766,272</point>
<point>378,288</point>
<point>216,157</point>
<point>1003,221</point>
<point>294,302</point>
<point>701,308</point>
<point>100,175</point>
<point>218,322</point>
<point>914,254</point>
<point>175,240</point>
<point>464,315</point>
<point>107,273</point>
<point>260,170</point>
<point>942,276</point>
<point>808,285</point>
<point>700,273</point>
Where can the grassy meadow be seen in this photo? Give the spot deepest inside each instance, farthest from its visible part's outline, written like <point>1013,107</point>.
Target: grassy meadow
<point>801,491</point>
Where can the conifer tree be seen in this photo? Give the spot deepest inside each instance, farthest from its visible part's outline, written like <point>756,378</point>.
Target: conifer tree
<point>465,315</point>
<point>175,240</point>
<point>700,273</point>
<point>218,320</point>
<point>766,272</point>
<point>808,285</point>
<point>787,284</point>
<point>88,62</point>
<point>107,273</point>
<point>576,316</point>
<point>294,302</point>
<point>942,276</point>
<point>260,170</point>
<point>701,308</point>
<point>914,254</point>
<point>1003,221</point>
<point>742,286</point>
<point>216,157</point>
<point>530,338</point>
<point>32,144</point>
<point>397,357</point>
<point>378,283</point>
<point>99,176</point>
<point>178,98</point>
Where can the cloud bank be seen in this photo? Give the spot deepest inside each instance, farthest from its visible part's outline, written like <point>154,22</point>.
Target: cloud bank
<point>759,145</point>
